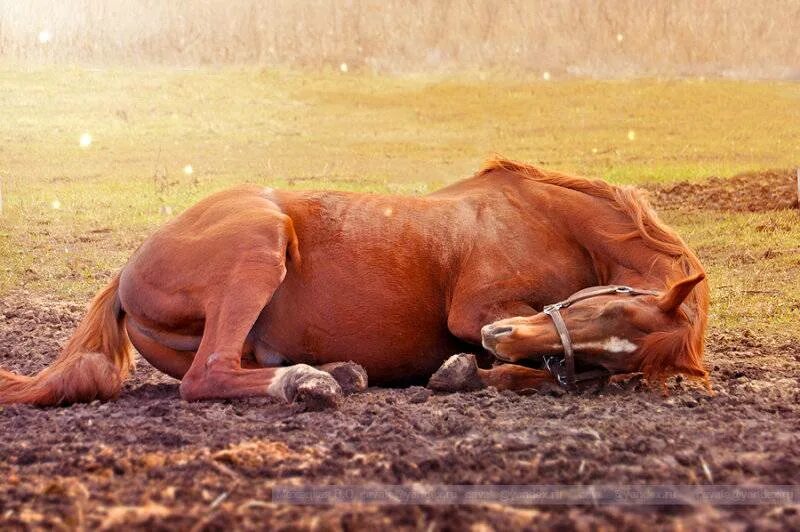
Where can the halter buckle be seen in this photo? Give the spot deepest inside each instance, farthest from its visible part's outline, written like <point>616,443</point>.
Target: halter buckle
<point>548,309</point>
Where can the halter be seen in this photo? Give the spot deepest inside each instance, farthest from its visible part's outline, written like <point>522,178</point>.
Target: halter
<point>564,368</point>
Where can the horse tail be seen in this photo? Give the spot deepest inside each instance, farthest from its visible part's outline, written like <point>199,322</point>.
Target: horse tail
<point>93,364</point>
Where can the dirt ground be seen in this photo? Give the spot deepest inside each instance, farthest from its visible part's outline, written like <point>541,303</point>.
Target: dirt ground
<point>748,192</point>
<point>152,461</point>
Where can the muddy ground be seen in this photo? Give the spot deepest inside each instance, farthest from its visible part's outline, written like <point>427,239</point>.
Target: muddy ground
<point>152,461</point>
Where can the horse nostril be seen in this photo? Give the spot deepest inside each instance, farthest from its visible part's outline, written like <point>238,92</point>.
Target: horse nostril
<point>501,331</point>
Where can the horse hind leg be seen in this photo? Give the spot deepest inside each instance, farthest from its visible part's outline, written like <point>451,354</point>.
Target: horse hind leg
<point>216,371</point>
<point>352,378</point>
<point>232,306</point>
<point>303,383</point>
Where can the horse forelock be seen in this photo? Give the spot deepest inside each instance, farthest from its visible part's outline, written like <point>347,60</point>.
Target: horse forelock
<point>665,353</point>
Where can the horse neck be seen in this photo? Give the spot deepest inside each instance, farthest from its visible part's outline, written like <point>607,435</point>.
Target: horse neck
<point>636,266</point>
<point>619,253</point>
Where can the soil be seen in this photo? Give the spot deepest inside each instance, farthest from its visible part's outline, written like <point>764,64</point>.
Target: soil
<point>151,461</point>
<point>748,192</point>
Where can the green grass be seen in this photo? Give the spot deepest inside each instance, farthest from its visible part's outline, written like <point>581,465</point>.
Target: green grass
<point>360,132</point>
<point>753,261</point>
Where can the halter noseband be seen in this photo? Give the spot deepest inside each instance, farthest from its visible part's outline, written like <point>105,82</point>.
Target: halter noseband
<point>564,368</point>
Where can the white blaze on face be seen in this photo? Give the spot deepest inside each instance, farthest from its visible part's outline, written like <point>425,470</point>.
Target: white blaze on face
<point>619,345</point>
<point>615,344</point>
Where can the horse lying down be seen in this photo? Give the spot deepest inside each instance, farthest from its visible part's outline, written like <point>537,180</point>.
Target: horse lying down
<point>256,292</point>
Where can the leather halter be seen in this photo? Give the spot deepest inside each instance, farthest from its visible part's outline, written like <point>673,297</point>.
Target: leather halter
<point>564,368</point>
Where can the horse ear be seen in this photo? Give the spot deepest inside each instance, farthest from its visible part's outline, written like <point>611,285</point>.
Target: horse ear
<point>678,292</point>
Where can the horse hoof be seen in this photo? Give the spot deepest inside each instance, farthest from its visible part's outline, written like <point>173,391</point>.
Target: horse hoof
<point>459,373</point>
<point>316,389</point>
<point>351,377</point>
<point>319,392</point>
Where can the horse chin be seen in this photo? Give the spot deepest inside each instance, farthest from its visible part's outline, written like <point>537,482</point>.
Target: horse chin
<point>515,357</point>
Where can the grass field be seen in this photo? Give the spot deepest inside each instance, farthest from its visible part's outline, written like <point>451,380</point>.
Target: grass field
<point>72,214</point>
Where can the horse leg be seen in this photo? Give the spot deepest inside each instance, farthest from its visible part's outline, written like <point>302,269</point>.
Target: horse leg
<point>469,313</point>
<point>176,363</point>
<point>461,373</point>
<point>248,279</point>
<point>167,360</point>
<point>216,371</point>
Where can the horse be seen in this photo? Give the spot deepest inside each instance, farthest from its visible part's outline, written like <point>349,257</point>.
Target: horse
<point>284,293</point>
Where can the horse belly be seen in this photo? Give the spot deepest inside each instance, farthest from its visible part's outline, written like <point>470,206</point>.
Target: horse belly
<point>396,342</point>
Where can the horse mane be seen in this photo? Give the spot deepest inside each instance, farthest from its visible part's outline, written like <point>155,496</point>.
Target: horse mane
<point>664,353</point>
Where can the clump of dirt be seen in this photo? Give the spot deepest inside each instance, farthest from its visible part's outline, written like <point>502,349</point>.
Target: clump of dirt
<point>748,192</point>
<point>151,461</point>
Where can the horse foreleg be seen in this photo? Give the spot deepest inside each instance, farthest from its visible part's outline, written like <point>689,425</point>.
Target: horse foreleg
<point>461,373</point>
<point>517,378</point>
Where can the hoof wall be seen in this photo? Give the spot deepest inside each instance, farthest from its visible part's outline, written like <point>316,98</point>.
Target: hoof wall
<point>319,392</point>
<point>351,377</point>
<point>459,373</point>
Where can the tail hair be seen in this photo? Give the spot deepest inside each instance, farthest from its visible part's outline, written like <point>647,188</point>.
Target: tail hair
<point>93,364</point>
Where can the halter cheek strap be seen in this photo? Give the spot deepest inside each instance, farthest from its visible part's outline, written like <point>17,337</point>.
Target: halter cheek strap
<point>566,342</point>
<point>564,369</point>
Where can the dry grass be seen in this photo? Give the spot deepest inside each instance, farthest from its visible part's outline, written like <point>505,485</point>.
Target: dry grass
<point>735,38</point>
<point>373,133</point>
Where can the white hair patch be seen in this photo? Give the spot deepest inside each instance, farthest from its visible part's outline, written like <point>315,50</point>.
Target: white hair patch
<point>615,344</point>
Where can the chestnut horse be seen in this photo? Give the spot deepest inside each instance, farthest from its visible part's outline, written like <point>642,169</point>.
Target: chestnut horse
<point>251,279</point>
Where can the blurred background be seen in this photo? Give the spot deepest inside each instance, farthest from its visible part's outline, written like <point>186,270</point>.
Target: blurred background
<point>613,38</point>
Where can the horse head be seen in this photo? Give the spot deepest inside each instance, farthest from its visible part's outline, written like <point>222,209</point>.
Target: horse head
<point>620,328</point>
